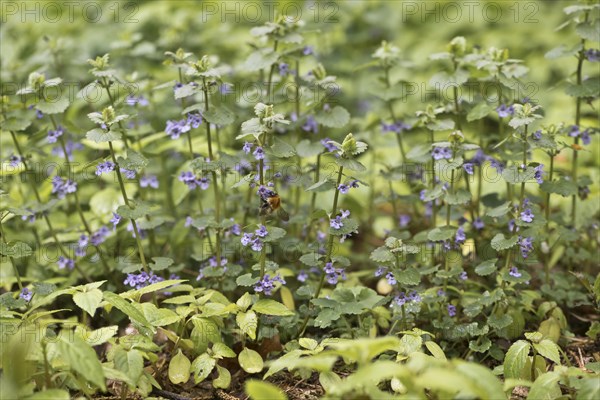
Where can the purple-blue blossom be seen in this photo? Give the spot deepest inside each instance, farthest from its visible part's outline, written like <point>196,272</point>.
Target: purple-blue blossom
<point>284,69</point>
<point>26,294</point>
<point>539,174</point>
<point>404,220</point>
<point>592,55</point>
<point>261,231</point>
<point>259,153</point>
<point>527,215</point>
<point>194,120</point>
<point>396,127</point>
<point>64,262</point>
<point>439,153</point>
<point>70,146</point>
<point>247,148</point>
<point>104,167</point>
<point>174,129</point>
<point>451,310</point>
<point>53,135</point>
<point>514,271</point>
<point>311,125</point>
<point>129,173</point>
<point>468,167</point>
<point>61,187</point>
<point>460,235</point>
<point>116,218</point>
<point>391,279</point>
<point>142,279</point>
<point>525,245</point>
<point>478,224</point>
<point>149,181</point>
<point>505,111</point>
<point>14,161</point>
<point>267,284</point>
<point>302,276</point>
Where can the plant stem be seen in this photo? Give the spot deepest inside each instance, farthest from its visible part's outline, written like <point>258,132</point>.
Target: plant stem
<point>580,58</point>
<point>12,261</point>
<point>390,106</point>
<point>126,200</point>
<point>45,216</point>
<point>550,177</point>
<point>329,245</point>
<point>270,81</point>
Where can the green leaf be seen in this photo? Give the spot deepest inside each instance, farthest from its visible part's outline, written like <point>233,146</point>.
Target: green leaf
<point>179,368</point>
<point>98,336</point>
<point>130,362</point>
<point>259,390</point>
<point>16,250</point>
<point>202,367</point>
<point>588,88</point>
<point>499,242</point>
<point>409,277</point>
<point>221,350</point>
<point>134,161</point>
<point>158,286</point>
<point>260,59</point>
<point>515,360</point>
<point>350,226</point>
<point>306,148</point>
<point>250,361</point>
<point>381,255</point>
<point>159,316</point>
<point>498,321</point>
<point>246,280</point>
<point>548,349</point>
<point>441,125</point>
<point>481,110</point>
<point>321,186</point>
<point>435,350</point>
<point>562,186</point>
<point>17,124</point>
<point>589,30</point>
<point>545,387</point>
<point>160,263</point>
<point>137,211</point>
<point>589,388</point>
<point>499,211</point>
<point>515,175</point>
<point>487,267</point>
<point>441,233</point>
<point>274,234</point>
<point>205,332</point>
<point>219,116</point>
<point>88,301</point>
<point>54,107</point>
<point>101,136</point>
<point>81,358</point>
<point>482,346</point>
<point>460,196</point>
<point>282,149</point>
<point>54,394</point>
<point>311,259</point>
<point>128,309</point>
<point>336,117</point>
<point>223,380</point>
<point>248,322</point>
<point>350,164</point>
<point>271,307</point>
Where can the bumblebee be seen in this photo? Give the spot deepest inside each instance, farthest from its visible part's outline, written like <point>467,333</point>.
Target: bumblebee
<point>270,203</point>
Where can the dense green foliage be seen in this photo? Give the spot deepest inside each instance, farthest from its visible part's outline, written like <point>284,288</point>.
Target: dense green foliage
<point>183,208</point>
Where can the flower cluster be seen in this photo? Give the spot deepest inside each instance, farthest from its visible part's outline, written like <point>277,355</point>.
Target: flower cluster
<point>439,153</point>
<point>129,173</point>
<point>149,181</point>
<point>396,127</point>
<point>26,294</point>
<point>53,135</point>
<point>592,55</point>
<point>337,222</point>
<point>267,284</point>
<point>526,246</point>
<point>539,174</point>
<point>61,187</point>
<point>174,129</point>
<point>254,239</point>
<point>505,111</point>
<point>64,262</point>
<point>576,132</point>
<point>96,239</point>
<point>192,181</point>
<point>330,147</point>
<point>136,100</point>
<point>105,167</point>
<point>451,310</point>
<point>402,298</point>
<point>334,274</point>
<point>142,279</point>
<point>345,187</point>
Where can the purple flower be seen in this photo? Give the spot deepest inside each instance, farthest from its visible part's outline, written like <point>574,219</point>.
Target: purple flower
<point>539,174</point>
<point>527,215</point>
<point>104,167</point>
<point>308,50</point>
<point>14,160</point>
<point>414,297</point>
<point>257,244</point>
<point>99,236</point>
<point>116,218</point>
<point>468,167</point>
<point>400,300</point>
<point>390,278</point>
<point>526,246</point>
<point>328,146</point>
<point>574,131</point>
<point>39,114</point>
<point>174,129</point>
<point>404,220</point>
<point>451,310</point>
<point>585,137</point>
<point>498,165</point>
<point>134,100</point>
<point>439,153</point>
<point>463,276</point>
<point>194,120</point>
<point>213,262</point>
<point>54,135</point>
<point>267,284</point>
<point>380,271</point>
<point>259,153</point>
<point>26,294</point>
<point>514,271</point>
<point>321,236</point>
<point>261,231</point>
<point>188,221</point>
<point>345,213</point>
<point>504,111</point>
<point>149,180</point>
<point>336,223</point>
<point>311,125</point>
<point>512,227</point>
<point>142,279</point>
<point>247,238</point>
<point>537,135</point>
<point>593,55</point>
<point>188,178</point>
<point>396,127</point>
<point>70,146</point>
<point>302,276</point>
<point>61,187</point>
<point>460,236</point>
<point>479,157</point>
<point>343,188</point>
<point>284,69</point>
<point>478,224</point>
<point>83,241</point>
<point>441,293</point>
<point>64,262</point>
<point>247,147</point>
<point>235,229</point>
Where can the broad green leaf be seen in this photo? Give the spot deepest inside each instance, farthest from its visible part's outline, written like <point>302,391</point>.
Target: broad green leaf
<point>481,110</point>
<point>442,233</point>
<point>250,361</point>
<point>435,350</point>
<point>130,362</point>
<point>487,267</point>
<point>202,367</point>
<point>224,379</point>
<point>562,186</point>
<point>248,322</point>
<point>499,242</point>
<point>259,390</point>
<point>160,263</point>
<point>499,211</point>
<point>53,107</point>
<point>545,387</point>
<point>282,149</point>
<point>548,349</point>
<point>159,316</point>
<point>99,135</point>
<point>88,301</point>
<point>127,308</point>
<point>271,307</point>
<point>16,250</point>
<point>221,350</point>
<point>336,117</point>
<point>98,336</point>
<point>137,211</point>
<point>219,116</point>
<point>81,358</point>
<point>516,358</point>
<point>179,368</point>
